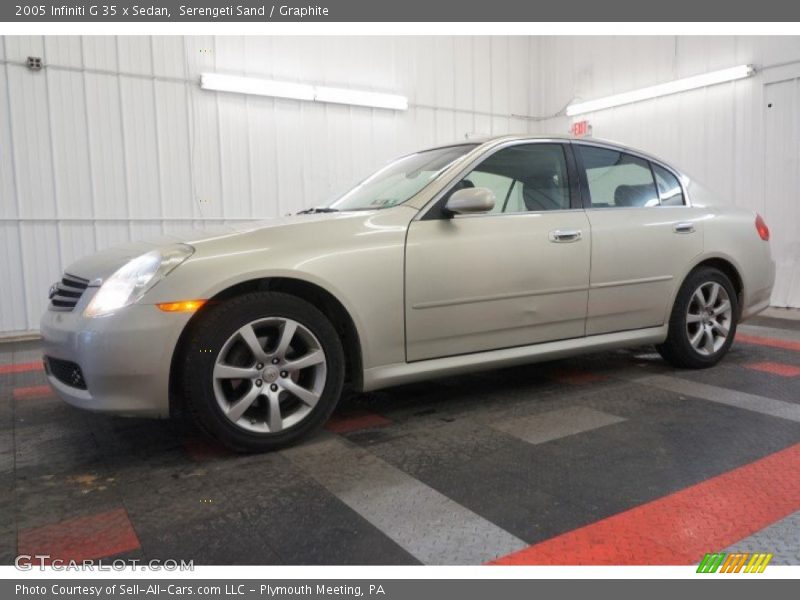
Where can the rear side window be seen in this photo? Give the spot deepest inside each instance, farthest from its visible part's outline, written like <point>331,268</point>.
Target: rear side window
<point>669,188</point>
<point>617,179</point>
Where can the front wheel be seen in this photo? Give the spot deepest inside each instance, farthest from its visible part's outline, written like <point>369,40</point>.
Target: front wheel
<point>703,320</point>
<point>262,370</point>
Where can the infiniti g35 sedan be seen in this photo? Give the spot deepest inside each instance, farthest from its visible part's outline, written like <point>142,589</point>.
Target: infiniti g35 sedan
<point>459,258</point>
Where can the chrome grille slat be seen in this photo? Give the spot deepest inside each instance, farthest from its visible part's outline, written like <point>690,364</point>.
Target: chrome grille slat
<point>68,292</point>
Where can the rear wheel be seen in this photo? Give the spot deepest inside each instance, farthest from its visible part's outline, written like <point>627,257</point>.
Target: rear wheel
<point>703,320</point>
<point>263,370</point>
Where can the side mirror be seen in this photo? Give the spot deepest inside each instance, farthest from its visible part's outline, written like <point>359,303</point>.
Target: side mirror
<point>470,201</point>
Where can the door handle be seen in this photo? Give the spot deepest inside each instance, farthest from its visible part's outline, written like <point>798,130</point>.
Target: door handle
<point>683,228</point>
<point>564,236</point>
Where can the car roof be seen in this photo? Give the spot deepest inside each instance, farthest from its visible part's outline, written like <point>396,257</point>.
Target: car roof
<point>497,139</point>
<point>478,140</point>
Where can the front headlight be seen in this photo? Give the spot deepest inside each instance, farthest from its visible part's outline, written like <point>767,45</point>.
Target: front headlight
<point>132,281</point>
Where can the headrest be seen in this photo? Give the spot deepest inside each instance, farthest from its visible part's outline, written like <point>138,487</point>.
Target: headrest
<point>634,195</point>
<point>542,193</point>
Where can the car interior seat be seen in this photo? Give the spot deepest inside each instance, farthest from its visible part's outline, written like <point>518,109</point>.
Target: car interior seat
<point>635,195</point>
<point>543,193</point>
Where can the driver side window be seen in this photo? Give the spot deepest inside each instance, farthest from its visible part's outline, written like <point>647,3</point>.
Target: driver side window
<point>530,177</point>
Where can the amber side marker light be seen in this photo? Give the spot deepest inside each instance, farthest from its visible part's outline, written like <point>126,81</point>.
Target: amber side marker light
<point>181,306</point>
<point>761,227</point>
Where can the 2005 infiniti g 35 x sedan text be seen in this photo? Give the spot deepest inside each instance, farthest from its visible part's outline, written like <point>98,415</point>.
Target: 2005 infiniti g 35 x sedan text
<point>464,257</point>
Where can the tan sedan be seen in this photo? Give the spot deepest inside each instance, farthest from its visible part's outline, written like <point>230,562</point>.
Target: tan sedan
<point>454,259</point>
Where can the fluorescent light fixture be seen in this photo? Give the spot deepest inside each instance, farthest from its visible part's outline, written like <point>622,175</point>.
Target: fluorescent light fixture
<point>258,87</point>
<point>301,91</point>
<point>663,89</point>
<point>359,98</point>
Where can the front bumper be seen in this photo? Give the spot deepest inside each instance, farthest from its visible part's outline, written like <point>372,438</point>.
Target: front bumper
<point>125,357</point>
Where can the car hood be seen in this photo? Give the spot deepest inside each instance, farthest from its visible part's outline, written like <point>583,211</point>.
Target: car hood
<point>97,267</point>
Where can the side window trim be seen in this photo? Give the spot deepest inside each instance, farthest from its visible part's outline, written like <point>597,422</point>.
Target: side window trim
<point>655,181</point>
<point>585,198</point>
<point>678,179</point>
<point>573,174</point>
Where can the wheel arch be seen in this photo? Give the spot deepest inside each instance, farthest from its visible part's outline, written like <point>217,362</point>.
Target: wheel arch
<point>313,293</point>
<point>722,263</point>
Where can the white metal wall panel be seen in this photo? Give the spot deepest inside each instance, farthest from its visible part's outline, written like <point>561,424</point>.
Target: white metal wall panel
<point>174,149</point>
<point>139,144</point>
<point>106,151</point>
<point>114,140</point>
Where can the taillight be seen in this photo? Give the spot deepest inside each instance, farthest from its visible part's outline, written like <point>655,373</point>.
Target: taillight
<point>762,229</point>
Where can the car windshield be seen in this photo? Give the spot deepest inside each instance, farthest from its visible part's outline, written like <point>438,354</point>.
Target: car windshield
<point>400,180</point>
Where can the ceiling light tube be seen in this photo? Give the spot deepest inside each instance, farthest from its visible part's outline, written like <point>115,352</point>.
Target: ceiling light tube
<point>301,91</point>
<point>360,98</point>
<point>663,89</point>
<point>258,87</point>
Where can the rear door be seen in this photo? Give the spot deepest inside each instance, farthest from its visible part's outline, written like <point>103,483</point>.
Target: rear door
<point>643,237</point>
<point>515,276</point>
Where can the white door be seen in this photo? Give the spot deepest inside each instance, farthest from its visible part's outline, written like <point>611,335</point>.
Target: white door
<point>782,187</point>
<point>512,277</point>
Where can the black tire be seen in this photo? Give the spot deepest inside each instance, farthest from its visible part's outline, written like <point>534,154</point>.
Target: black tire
<point>677,349</point>
<point>215,326</point>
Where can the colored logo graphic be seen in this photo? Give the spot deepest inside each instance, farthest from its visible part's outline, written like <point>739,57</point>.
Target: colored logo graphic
<point>735,562</point>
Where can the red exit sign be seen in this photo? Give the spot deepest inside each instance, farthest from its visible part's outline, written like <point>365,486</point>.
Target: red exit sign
<point>581,129</point>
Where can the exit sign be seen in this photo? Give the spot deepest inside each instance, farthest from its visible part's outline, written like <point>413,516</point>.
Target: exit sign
<point>581,129</point>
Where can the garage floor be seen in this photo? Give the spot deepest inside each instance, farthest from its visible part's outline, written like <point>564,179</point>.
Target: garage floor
<point>612,458</point>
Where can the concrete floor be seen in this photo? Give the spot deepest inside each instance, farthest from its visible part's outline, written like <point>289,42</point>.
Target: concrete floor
<point>612,458</point>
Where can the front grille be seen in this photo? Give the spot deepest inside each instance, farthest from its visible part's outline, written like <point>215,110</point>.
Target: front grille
<point>67,372</point>
<point>65,294</point>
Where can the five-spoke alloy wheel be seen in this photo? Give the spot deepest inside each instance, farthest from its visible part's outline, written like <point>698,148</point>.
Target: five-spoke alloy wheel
<point>262,370</point>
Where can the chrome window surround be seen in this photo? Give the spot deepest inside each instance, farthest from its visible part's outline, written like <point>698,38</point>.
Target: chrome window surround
<point>474,158</point>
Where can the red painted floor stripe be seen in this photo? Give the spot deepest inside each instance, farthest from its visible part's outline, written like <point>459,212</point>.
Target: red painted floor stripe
<point>346,423</point>
<point>775,368</point>
<point>21,367</point>
<point>35,391</point>
<point>767,341</point>
<point>681,527</point>
<point>202,450</point>
<point>95,536</point>
<point>578,377</point>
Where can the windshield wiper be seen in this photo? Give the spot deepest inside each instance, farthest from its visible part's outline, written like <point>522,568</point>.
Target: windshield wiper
<point>317,209</point>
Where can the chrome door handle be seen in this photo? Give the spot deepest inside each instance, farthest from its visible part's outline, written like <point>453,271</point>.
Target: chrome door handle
<point>683,228</point>
<point>563,236</point>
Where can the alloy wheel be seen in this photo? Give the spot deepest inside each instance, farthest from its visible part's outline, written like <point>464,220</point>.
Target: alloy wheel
<point>269,375</point>
<point>708,318</point>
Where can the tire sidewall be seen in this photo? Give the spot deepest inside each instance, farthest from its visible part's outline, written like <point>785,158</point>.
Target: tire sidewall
<point>216,327</point>
<point>678,320</point>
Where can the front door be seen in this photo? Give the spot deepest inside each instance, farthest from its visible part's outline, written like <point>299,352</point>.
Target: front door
<point>515,276</point>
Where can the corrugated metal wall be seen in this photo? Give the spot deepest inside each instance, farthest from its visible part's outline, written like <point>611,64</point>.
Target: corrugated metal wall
<point>715,134</point>
<point>114,140</point>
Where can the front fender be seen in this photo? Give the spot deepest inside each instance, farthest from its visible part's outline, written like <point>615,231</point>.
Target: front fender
<point>358,260</point>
